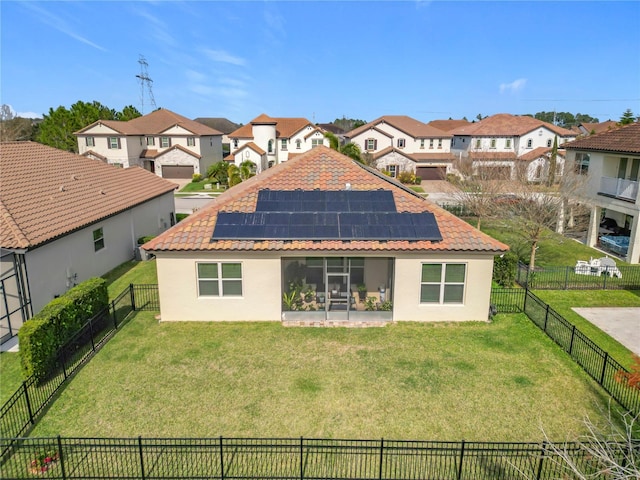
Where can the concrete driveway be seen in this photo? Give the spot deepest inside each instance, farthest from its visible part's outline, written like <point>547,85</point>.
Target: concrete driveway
<point>622,323</point>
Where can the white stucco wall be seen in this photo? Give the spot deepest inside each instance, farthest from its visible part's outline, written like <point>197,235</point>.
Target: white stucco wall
<point>394,158</point>
<point>384,141</point>
<point>262,291</point>
<point>48,266</point>
<point>177,157</point>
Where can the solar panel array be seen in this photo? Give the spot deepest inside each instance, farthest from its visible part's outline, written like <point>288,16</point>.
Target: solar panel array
<point>326,215</point>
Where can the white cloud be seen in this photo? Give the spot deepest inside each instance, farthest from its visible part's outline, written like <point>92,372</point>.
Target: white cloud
<point>514,86</point>
<point>224,57</point>
<point>60,24</point>
<point>28,115</point>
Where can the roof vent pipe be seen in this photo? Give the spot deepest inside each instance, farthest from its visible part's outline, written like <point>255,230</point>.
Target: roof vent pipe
<point>347,186</point>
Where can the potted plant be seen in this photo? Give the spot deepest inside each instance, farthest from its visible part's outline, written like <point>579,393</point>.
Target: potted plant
<point>362,292</point>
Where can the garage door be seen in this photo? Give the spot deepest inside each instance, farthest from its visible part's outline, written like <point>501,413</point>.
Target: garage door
<point>431,173</point>
<point>176,171</point>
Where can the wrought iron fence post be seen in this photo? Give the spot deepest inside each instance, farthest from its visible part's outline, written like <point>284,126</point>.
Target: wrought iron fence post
<point>142,474</point>
<point>604,367</point>
<point>301,456</point>
<point>573,334</point>
<point>381,457</point>
<point>544,450</point>
<point>461,457</point>
<point>604,280</point>
<point>566,278</point>
<point>114,314</point>
<point>93,345</point>
<point>61,459</point>
<point>546,317</point>
<point>133,297</point>
<point>221,460</point>
<point>26,396</point>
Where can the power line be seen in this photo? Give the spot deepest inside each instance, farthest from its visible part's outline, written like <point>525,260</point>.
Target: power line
<point>145,80</point>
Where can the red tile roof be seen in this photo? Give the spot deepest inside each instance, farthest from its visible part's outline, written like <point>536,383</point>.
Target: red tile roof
<point>73,192</point>
<point>324,169</point>
<point>285,127</point>
<point>410,126</point>
<point>624,139</point>
<point>598,127</point>
<point>504,124</point>
<point>155,123</point>
<point>539,152</point>
<point>448,125</point>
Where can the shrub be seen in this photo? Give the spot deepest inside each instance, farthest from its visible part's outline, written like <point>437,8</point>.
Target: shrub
<point>196,177</point>
<point>504,269</point>
<point>145,239</point>
<point>42,336</point>
<point>418,181</point>
<point>407,177</point>
<point>181,216</point>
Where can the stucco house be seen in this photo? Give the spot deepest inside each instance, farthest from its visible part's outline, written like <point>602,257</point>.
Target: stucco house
<point>322,240</point>
<point>267,141</point>
<point>65,218</point>
<point>400,143</point>
<point>591,128</point>
<point>611,163</point>
<point>496,143</point>
<point>163,142</point>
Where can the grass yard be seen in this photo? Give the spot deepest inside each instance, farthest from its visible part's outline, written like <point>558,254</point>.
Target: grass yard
<point>475,381</point>
<point>554,249</point>
<point>130,272</point>
<point>199,187</point>
<point>10,375</point>
<point>563,301</point>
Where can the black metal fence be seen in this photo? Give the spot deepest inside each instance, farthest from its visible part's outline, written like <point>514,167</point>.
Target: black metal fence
<point>21,411</point>
<point>299,458</point>
<point>566,278</point>
<point>508,300</point>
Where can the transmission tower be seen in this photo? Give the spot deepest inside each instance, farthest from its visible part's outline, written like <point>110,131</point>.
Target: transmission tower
<point>145,81</point>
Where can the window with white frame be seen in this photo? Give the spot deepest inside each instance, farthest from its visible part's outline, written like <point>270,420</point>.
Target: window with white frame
<point>90,141</point>
<point>478,143</point>
<point>235,143</point>
<point>439,143</point>
<point>370,144</point>
<point>270,147</point>
<point>151,141</point>
<point>442,283</point>
<point>422,143</point>
<point>431,143</point>
<point>219,279</point>
<point>549,143</point>
<point>393,170</point>
<point>401,143</point>
<point>507,143</point>
<point>191,141</point>
<point>283,144</point>
<point>582,163</point>
<point>165,142</point>
<point>316,142</point>
<point>493,143</point>
<point>529,143</point>
<point>98,239</point>
<point>114,143</point>
<point>298,144</point>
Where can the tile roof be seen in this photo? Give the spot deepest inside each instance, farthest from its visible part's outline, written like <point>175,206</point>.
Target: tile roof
<point>598,127</point>
<point>324,169</point>
<point>222,125</point>
<point>285,127</point>
<point>625,139</point>
<point>539,152</point>
<point>410,126</point>
<point>74,192</point>
<point>154,123</point>
<point>448,125</point>
<point>504,124</point>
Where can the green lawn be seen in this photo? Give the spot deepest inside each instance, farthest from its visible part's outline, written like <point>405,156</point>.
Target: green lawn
<point>199,187</point>
<point>554,249</point>
<point>130,272</point>
<point>473,381</point>
<point>10,375</point>
<point>563,301</point>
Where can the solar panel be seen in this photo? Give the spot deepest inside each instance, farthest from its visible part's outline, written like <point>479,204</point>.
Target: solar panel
<point>335,215</point>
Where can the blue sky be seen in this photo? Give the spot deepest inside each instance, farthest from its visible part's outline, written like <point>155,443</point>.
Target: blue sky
<point>323,60</point>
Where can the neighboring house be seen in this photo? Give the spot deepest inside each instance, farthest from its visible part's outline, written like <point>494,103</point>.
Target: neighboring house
<point>298,242</point>
<point>534,165</point>
<point>66,218</point>
<point>496,143</point>
<point>591,128</point>
<point>399,143</point>
<point>611,162</point>
<point>222,125</point>
<point>163,142</point>
<point>267,141</point>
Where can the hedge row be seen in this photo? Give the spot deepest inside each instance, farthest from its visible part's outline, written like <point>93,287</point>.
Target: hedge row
<point>42,336</point>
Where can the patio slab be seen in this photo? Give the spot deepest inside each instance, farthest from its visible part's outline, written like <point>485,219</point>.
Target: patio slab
<point>622,323</point>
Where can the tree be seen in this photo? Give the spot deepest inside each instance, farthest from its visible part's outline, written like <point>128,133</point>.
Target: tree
<point>218,172</point>
<point>247,170</point>
<point>348,124</point>
<point>351,150</point>
<point>233,175</point>
<point>128,113</point>
<point>14,128</point>
<point>553,163</point>
<point>58,126</point>
<point>627,117</point>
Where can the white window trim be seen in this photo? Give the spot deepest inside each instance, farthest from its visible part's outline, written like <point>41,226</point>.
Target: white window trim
<point>220,281</point>
<point>162,142</point>
<point>191,141</point>
<point>98,239</point>
<point>90,142</point>
<point>442,283</point>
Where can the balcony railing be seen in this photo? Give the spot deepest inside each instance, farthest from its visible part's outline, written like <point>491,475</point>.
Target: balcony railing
<point>619,188</point>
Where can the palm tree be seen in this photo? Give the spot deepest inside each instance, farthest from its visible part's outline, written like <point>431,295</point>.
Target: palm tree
<point>247,169</point>
<point>351,150</point>
<point>234,176</point>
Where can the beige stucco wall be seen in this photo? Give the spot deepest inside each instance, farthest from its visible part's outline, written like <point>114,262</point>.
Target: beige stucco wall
<point>261,299</point>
